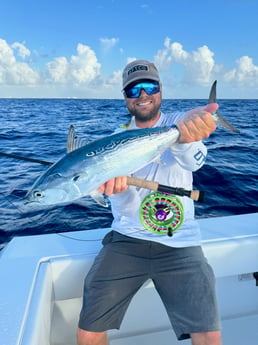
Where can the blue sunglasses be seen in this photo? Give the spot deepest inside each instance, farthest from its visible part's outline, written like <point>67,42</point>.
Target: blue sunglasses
<point>150,87</point>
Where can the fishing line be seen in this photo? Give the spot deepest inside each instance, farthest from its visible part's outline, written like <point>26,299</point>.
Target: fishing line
<point>32,160</point>
<point>66,225</point>
<point>12,203</point>
<point>78,239</point>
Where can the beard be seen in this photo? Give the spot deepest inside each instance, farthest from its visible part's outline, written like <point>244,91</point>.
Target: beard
<point>142,115</point>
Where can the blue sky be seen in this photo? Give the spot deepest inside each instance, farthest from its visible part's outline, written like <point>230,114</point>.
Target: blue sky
<point>78,48</point>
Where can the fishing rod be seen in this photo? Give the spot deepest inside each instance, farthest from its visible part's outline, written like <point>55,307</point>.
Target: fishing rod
<point>195,195</point>
<point>33,160</point>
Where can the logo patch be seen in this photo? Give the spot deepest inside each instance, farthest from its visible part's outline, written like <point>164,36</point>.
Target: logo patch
<point>138,68</point>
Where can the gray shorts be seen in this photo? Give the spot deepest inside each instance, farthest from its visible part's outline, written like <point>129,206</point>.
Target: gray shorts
<point>125,263</point>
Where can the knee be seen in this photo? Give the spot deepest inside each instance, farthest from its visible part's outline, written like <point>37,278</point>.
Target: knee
<point>91,338</point>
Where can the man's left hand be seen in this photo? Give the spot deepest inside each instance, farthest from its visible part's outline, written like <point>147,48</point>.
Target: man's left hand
<point>114,186</point>
<point>197,124</point>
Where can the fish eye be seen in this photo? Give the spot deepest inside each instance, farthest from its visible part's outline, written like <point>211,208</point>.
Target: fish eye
<point>38,194</point>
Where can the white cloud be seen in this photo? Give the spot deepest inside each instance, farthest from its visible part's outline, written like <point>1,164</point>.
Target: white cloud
<point>245,73</point>
<point>12,71</point>
<point>80,74</point>
<point>163,58</point>
<point>82,68</point>
<point>199,65</point>
<point>178,53</point>
<point>58,70</point>
<point>130,59</point>
<point>116,78</point>
<point>22,50</point>
<point>108,43</point>
<point>6,54</point>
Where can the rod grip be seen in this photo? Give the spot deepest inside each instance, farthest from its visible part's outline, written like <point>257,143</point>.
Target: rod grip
<point>133,181</point>
<point>195,195</point>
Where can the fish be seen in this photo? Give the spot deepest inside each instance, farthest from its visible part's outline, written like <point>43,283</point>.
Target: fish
<point>86,166</point>
<point>82,170</point>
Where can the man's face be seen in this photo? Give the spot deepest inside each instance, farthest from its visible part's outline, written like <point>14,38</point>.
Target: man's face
<point>145,107</point>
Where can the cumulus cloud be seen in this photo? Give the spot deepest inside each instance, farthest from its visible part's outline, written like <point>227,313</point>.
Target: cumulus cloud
<point>82,68</point>
<point>130,59</point>
<point>199,65</point>
<point>245,73</point>
<point>22,50</point>
<point>108,43</point>
<point>13,71</point>
<point>58,70</point>
<point>76,73</point>
<point>115,78</point>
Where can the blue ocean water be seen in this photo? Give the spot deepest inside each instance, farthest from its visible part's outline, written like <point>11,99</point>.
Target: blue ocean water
<point>37,128</point>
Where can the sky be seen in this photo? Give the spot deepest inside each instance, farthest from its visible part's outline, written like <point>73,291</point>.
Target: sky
<point>52,49</point>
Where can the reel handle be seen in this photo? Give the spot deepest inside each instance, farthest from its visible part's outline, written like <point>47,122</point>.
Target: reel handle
<point>195,195</point>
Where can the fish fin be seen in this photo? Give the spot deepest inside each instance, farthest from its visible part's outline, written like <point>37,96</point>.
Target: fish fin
<point>73,142</point>
<point>217,116</point>
<point>212,95</point>
<point>99,198</point>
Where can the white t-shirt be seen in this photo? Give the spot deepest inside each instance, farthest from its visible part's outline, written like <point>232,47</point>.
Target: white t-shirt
<point>174,169</point>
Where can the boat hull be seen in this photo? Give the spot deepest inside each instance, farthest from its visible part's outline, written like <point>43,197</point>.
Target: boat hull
<point>42,282</point>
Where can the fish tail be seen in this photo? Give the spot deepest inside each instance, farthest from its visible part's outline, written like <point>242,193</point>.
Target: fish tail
<point>224,123</point>
<point>217,116</point>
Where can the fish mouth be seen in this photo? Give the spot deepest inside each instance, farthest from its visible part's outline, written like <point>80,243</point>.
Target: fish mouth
<point>29,202</point>
<point>33,205</point>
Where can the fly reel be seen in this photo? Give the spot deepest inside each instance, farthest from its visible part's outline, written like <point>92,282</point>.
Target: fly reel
<point>161,214</point>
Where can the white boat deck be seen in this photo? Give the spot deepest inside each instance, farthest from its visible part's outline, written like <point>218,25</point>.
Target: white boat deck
<point>42,280</point>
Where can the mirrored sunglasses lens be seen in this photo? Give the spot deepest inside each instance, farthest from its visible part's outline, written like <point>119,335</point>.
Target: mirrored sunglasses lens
<point>133,92</point>
<point>149,88</point>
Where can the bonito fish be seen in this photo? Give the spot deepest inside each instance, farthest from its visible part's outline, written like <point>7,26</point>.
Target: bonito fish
<point>81,171</point>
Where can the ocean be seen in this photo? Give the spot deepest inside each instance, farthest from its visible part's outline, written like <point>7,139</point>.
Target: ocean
<point>37,128</point>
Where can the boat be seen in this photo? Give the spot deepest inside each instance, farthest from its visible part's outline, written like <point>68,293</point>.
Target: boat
<point>42,281</point>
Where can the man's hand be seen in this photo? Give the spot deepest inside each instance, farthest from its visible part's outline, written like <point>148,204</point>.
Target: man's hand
<point>197,124</point>
<point>114,186</point>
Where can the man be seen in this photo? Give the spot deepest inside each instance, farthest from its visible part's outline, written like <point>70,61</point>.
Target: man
<point>132,254</point>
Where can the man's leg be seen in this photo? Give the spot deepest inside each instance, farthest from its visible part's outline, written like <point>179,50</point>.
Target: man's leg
<point>100,338</point>
<point>91,338</point>
<point>186,285</point>
<point>117,273</point>
<point>209,338</point>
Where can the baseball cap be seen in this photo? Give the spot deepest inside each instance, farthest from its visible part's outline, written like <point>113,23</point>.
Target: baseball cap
<point>139,70</point>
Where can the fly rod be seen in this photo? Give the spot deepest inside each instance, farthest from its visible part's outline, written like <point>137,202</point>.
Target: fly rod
<point>195,195</point>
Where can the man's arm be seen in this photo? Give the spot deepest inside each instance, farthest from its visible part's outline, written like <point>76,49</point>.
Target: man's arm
<point>197,124</point>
